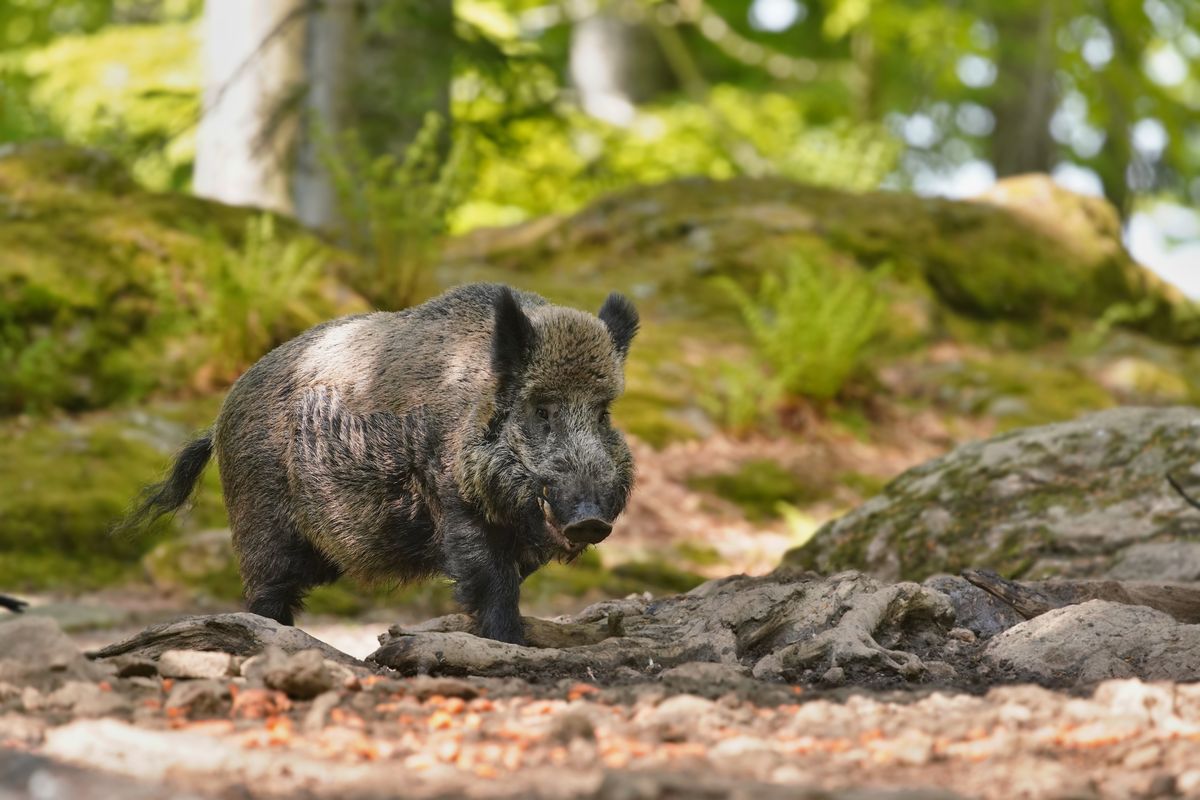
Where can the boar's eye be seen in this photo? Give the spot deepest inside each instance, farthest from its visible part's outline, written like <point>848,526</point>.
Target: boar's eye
<point>543,413</point>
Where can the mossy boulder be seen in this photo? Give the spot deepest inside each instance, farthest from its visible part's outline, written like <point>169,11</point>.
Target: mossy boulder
<point>1066,499</point>
<point>1029,251</point>
<point>107,291</point>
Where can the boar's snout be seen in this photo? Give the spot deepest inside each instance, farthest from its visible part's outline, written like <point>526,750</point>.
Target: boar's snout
<point>587,525</point>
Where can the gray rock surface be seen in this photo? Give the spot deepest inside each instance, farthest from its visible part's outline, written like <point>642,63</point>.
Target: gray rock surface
<point>1067,499</point>
<point>196,664</point>
<point>1158,561</point>
<point>34,651</point>
<point>1098,640</point>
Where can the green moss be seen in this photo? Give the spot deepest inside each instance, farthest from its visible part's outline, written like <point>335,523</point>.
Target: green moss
<point>699,554</point>
<point>69,480</point>
<point>107,292</point>
<point>657,576</point>
<point>1050,269</point>
<point>758,487</point>
<point>862,484</point>
<point>1023,390</point>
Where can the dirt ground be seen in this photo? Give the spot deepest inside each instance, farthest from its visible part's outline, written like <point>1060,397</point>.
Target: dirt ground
<point>298,726</point>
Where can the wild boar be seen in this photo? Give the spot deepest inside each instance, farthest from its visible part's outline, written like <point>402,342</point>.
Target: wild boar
<point>468,436</point>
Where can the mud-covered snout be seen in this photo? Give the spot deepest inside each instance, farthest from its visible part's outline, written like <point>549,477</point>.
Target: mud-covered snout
<point>586,524</point>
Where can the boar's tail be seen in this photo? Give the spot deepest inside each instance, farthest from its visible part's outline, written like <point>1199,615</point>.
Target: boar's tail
<point>170,494</point>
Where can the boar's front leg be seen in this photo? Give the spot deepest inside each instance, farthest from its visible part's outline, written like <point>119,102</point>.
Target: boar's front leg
<point>487,582</point>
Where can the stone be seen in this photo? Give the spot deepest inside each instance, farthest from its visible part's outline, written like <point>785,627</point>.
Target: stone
<point>199,698</point>
<point>302,676</point>
<point>130,666</point>
<point>193,664</point>
<point>1067,499</point>
<point>35,651</point>
<point>21,729</point>
<point>1158,561</point>
<point>1098,640</point>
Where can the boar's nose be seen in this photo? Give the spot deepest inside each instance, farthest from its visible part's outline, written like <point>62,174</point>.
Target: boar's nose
<point>587,526</point>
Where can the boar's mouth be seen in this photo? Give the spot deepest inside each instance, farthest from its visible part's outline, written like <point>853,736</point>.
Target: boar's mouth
<point>591,530</point>
<point>576,535</point>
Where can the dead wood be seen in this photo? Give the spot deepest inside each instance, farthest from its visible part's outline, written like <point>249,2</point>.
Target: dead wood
<point>1033,598</point>
<point>241,634</point>
<point>777,625</point>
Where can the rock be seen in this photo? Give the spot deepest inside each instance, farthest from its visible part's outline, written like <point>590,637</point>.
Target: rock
<point>674,718</point>
<point>571,725</point>
<point>35,651</point>
<point>199,698</point>
<point>834,676</point>
<point>1066,499</point>
<point>85,700</point>
<point>964,635</point>
<point>302,676</point>
<point>195,560</point>
<point>939,672</point>
<point>21,729</point>
<point>189,664</point>
<point>977,613</point>
<point>314,720</point>
<point>32,777</point>
<point>131,666</point>
<point>1097,640</point>
<point>1158,561</point>
<point>739,747</point>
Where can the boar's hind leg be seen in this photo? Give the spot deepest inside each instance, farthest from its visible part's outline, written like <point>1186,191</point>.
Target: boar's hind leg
<point>487,582</point>
<point>278,569</point>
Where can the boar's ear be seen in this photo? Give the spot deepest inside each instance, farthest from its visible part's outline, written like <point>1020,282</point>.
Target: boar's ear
<point>513,336</point>
<point>621,319</point>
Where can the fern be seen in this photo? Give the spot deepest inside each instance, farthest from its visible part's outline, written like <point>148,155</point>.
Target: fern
<point>811,326</point>
<point>396,209</point>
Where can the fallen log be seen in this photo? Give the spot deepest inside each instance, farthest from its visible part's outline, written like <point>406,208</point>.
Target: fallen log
<point>1034,598</point>
<point>242,634</point>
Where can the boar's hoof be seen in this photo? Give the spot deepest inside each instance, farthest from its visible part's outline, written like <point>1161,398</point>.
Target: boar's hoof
<point>587,531</point>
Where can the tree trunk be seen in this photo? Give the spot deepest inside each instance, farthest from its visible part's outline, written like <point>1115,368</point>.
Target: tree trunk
<point>404,69</point>
<point>285,78</point>
<point>1025,92</point>
<point>615,64</point>
<point>253,69</point>
<point>328,107</point>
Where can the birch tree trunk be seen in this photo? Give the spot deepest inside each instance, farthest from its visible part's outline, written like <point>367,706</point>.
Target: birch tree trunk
<point>253,60</point>
<point>285,78</point>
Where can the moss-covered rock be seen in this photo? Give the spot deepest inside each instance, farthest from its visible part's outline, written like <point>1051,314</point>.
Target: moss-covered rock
<point>1063,499</point>
<point>1030,251</point>
<point>68,480</point>
<point>107,291</point>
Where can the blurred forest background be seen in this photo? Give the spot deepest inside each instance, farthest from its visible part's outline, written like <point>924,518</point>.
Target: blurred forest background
<point>859,231</point>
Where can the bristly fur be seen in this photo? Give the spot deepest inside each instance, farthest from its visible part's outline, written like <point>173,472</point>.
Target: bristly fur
<point>400,445</point>
<point>621,318</point>
<point>169,495</point>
